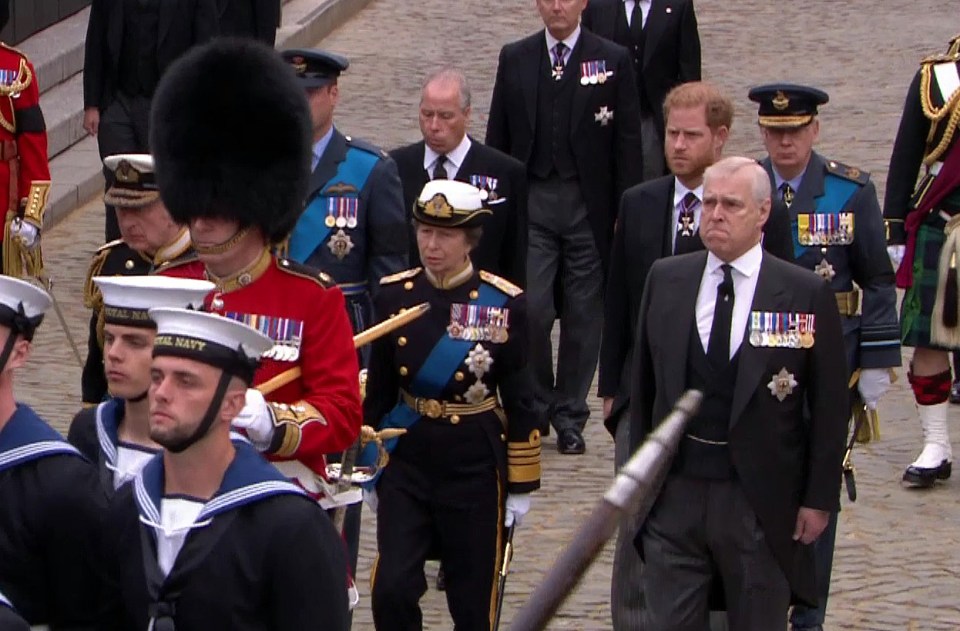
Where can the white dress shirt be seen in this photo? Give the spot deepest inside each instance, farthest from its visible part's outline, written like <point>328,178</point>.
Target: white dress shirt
<point>454,159</point>
<point>644,10</point>
<point>570,41</point>
<point>679,192</point>
<point>746,270</point>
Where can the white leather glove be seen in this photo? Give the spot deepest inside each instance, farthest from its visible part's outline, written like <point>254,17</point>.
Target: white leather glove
<point>26,232</point>
<point>256,420</point>
<point>896,252</point>
<point>371,500</point>
<point>518,505</point>
<point>873,383</point>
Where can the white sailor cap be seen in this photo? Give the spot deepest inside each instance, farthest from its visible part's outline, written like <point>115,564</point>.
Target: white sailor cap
<point>218,341</point>
<point>134,183</point>
<point>126,299</point>
<point>22,305</point>
<point>451,204</point>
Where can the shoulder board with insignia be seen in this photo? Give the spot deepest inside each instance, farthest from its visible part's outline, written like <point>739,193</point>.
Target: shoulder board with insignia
<point>939,58</point>
<point>110,245</point>
<point>363,145</point>
<point>91,295</point>
<point>298,269</point>
<point>404,275</point>
<point>500,283</point>
<point>847,172</point>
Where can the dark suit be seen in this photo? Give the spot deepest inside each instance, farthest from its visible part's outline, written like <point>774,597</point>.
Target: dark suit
<point>781,457</point>
<point>644,234</point>
<point>503,247</point>
<point>258,19</point>
<point>670,52</point>
<point>124,117</point>
<point>580,142</point>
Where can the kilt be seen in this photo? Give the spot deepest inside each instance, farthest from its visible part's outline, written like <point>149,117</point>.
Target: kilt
<point>917,305</point>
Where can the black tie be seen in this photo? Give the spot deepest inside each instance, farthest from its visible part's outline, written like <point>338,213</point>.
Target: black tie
<point>636,23</point>
<point>439,172</point>
<point>718,351</point>
<point>786,194</point>
<point>687,239</point>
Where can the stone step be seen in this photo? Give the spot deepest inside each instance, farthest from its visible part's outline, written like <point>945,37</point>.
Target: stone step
<point>57,52</point>
<point>63,112</point>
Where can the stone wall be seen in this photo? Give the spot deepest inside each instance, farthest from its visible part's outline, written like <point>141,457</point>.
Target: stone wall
<point>29,16</point>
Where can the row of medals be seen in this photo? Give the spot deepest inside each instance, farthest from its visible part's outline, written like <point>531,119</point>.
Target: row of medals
<point>340,222</point>
<point>783,339</point>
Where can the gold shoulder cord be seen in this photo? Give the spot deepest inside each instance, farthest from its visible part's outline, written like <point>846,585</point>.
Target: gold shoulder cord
<point>936,115</point>
<point>21,83</point>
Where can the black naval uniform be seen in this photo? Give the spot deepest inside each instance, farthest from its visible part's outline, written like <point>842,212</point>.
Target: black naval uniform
<point>115,259</point>
<point>246,564</point>
<point>10,620</point>
<point>464,449</point>
<point>49,525</point>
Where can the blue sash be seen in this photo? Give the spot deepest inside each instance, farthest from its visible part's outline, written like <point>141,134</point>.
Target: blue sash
<point>26,437</point>
<point>837,191</point>
<point>447,354</point>
<point>311,231</point>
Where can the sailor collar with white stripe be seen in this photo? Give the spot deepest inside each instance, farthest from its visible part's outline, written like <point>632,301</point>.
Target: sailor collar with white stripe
<point>108,418</point>
<point>26,437</point>
<point>248,479</point>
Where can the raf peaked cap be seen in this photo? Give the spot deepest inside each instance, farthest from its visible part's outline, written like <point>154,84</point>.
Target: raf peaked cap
<point>315,68</point>
<point>787,105</point>
<point>451,204</point>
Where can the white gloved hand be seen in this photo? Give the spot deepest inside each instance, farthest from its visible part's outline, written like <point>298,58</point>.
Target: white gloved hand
<point>896,252</point>
<point>873,383</point>
<point>371,500</point>
<point>518,505</point>
<point>256,420</point>
<point>26,232</point>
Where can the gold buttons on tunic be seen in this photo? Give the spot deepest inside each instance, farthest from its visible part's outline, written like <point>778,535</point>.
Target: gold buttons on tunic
<point>403,371</point>
<point>457,397</point>
<point>401,341</point>
<point>458,376</point>
<point>129,264</point>
<point>455,419</point>
<point>408,285</point>
<point>474,294</point>
<point>503,438</point>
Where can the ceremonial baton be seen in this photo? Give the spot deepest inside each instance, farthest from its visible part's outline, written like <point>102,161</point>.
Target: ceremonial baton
<point>360,339</point>
<point>634,490</point>
<point>504,570</point>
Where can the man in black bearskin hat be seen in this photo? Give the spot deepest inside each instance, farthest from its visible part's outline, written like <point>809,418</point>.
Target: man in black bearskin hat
<point>240,194</point>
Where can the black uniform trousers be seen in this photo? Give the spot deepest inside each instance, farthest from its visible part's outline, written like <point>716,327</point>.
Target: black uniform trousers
<point>124,127</point>
<point>441,491</point>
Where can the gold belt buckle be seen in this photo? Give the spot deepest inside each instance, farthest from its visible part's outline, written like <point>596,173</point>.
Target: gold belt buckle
<point>431,408</point>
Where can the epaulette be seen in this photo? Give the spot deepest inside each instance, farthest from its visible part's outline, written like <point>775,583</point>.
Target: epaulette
<point>847,172</point>
<point>500,283</point>
<point>298,269</point>
<point>404,275</point>
<point>91,295</point>
<point>110,245</point>
<point>366,146</point>
<point>939,58</point>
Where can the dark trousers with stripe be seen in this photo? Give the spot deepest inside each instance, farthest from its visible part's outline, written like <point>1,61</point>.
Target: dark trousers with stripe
<point>441,492</point>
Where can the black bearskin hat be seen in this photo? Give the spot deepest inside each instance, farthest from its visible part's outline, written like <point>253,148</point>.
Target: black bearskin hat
<point>230,133</point>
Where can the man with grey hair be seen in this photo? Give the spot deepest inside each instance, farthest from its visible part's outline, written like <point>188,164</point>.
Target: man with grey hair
<point>448,152</point>
<point>755,477</point>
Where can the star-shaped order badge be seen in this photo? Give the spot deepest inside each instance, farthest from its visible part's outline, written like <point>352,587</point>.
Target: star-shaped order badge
<point>782,384</point>
<point>479,361</point>
<point>603,116</point>
<point>476,393</point>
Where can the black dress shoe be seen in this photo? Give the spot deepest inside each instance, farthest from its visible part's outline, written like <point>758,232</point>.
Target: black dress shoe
<point>570,441</point>
<point>925,478</point>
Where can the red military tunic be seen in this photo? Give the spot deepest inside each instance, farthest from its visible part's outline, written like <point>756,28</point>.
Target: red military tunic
<point>319,412</point>
<point>24,169</point>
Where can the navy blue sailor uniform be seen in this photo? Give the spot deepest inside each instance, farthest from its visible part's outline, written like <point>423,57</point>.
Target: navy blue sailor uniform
<point>354,226</point>
<point>240,563</point>
<point>10,620</point>
<point>49,526</point>
<point>838,233</point>
<point>457,380</point>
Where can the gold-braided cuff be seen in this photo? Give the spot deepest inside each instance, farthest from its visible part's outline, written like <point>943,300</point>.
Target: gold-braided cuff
<point>523,459</point>
<point>36,202</point>
<point>289,420</point>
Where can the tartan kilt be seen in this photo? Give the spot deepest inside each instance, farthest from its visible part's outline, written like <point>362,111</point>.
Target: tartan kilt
<point>917,305</point>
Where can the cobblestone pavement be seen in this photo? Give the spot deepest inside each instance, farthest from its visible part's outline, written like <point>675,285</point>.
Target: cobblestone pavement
<point>897,550</point>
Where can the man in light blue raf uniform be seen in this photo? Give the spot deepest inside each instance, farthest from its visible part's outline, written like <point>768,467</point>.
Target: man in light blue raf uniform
<point>838,233</point>
<point>354,225</point>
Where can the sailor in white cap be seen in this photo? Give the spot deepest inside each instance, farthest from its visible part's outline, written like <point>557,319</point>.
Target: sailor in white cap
<point>116,433</point>
<point>230,542</point>
<point>50,494</point>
